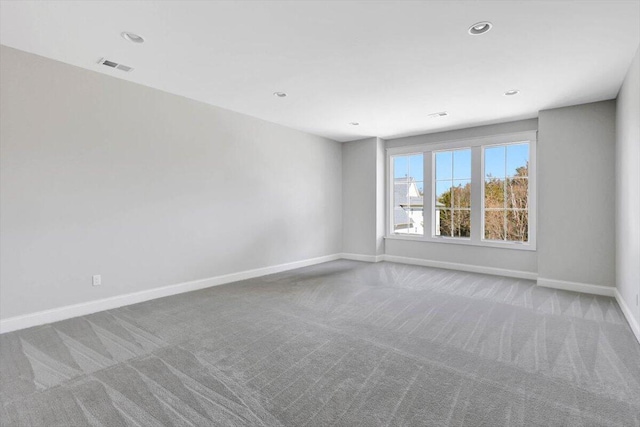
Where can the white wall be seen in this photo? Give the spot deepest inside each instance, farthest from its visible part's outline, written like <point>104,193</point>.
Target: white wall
<point>99,175</point>
<point>576,194</point>
<point>628,189</point>
<point>506,259</point>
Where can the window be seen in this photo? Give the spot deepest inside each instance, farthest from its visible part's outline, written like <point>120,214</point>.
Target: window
<point>477,191</point>
<point>506,192</point>
<point>453,193</point>
<point>408,191</point>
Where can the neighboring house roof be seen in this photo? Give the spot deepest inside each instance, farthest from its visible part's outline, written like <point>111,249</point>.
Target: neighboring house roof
<point>400,216</point>
<point>400,195</point>
<point>415,201</point>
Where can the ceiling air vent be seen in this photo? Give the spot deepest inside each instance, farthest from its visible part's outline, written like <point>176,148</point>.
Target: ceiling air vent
<point>124,68</point>
<point>440,114</point>
<point>115,65</point>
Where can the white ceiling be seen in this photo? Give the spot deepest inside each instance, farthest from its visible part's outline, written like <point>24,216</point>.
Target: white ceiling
<point>384,64</point>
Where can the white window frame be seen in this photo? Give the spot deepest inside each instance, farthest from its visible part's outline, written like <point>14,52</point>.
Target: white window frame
<point>477,189</point>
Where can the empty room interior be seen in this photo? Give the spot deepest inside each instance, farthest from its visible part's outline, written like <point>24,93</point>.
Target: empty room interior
<point>320,213</point>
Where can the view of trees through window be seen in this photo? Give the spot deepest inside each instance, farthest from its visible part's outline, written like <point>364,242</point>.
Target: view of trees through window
<point>506,192</point>
<point>453,193</point>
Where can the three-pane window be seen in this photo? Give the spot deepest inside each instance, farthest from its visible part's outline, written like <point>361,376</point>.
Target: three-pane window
<point>474,192</point>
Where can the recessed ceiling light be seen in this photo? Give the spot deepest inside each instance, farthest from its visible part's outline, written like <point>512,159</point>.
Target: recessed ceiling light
<point>512,92</point>
<point>280,94</point>
<point>133,38</point>
<point>354,124</point>
<point>480,28</point>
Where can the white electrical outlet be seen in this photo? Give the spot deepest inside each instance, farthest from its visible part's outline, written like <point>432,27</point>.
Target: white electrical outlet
<point>97,280</point>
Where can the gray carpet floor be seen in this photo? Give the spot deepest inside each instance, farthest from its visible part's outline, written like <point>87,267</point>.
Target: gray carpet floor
<point>343,343</point>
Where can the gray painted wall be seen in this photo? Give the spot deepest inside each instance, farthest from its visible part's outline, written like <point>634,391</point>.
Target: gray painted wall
<point>473,132</point>
<point>99,175</point>
<point>359,196</point>
<point>576,194</point>
<point>508,259</point>
<point>363,197</point>
<point>381,195</point>
<point>628,188</point>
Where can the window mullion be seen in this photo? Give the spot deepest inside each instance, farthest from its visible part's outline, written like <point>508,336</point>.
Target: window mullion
<point>477,204</point>
<point>504,198</point>
<point>428,196</point>
<point>453,197</point>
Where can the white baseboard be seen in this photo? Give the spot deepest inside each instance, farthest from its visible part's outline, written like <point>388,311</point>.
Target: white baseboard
<point>586,288</point>
<point>462,267</point>
<point>75,310</point>
<point>633,323</point>
<point>360,257</point>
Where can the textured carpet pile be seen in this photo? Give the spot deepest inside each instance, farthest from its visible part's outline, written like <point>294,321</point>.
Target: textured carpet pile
<point>342,343</point>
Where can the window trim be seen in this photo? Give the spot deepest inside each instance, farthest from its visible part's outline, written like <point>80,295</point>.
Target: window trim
<point>477,189</point>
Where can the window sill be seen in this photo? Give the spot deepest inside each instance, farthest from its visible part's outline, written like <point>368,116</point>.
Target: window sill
<point>453,241</point>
